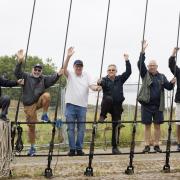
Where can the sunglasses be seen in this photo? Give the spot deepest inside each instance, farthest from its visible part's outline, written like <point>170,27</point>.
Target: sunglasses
<point>78,66</point>
<point>37,70</point>
<point>111,70</point>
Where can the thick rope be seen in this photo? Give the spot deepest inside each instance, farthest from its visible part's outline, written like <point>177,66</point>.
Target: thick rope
<point>19,100</point>
<point>168,145</point>
<point>130,168</point>
<point>5,149</point>
<point>91,150</point>
<point>48,170</point>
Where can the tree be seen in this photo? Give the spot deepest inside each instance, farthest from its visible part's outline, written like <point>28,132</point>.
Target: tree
<point>7,66</point>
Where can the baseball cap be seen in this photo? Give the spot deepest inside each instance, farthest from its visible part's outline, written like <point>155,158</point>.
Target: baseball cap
<point>78,62</point>
<point>38,66</point>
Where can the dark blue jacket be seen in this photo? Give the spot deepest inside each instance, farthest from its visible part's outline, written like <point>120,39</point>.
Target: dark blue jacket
<point>115,88</point>
<point>176,71</point>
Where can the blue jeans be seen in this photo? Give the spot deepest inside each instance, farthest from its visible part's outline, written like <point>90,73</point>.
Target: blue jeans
<point>74,114</point>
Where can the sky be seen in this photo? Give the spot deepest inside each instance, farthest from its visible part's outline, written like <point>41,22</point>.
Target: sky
<point>86,31</point>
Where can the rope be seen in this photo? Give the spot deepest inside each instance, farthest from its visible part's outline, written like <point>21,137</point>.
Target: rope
<point>130,167</point>
<point>48,170</point>
<point>13,129</point>
<point>5,149</point>
<point>89,169</point>
<point>168,145</point>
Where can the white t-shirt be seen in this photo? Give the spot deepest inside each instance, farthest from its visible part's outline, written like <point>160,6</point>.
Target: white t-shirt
<point>77,89</point>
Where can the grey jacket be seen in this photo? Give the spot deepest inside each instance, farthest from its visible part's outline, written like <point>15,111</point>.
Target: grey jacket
<point>34,87</point>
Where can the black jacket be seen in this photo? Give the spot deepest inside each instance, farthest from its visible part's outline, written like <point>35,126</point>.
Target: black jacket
<point>34,87</point>
<point>177,75</point>
<point>7,83</point>
<point>115,88</point>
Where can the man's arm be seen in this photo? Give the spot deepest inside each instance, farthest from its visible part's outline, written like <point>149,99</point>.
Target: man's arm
<point>95,87</point>
<point>66,62</point>
<point>52,79</point>
<point>128,71</point>
<point>172,63</point>
<point>10,83</point>
<point>141,65</point>
<point>168,85</point>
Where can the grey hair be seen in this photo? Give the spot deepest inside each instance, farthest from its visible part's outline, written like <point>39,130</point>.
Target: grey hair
<point>113,65</point>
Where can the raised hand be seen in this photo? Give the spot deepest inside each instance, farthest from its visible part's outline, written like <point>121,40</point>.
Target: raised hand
<point>126,57</point>
<point>70,51</point>
<point>175,50</point>
<point>144,45</point>
<point>20,56</point>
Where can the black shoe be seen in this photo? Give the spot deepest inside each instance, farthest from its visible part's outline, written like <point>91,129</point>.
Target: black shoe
<point>101,119</point>
<point>80,153</point>
<point>115,150</point>
<point>71,152</point>
<point>157,149</point>
<point>146,149</point>
<point>3,117</point>
<point>178,147</point>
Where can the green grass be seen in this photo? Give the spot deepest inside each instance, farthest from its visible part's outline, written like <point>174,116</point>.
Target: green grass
<point>44,132</point>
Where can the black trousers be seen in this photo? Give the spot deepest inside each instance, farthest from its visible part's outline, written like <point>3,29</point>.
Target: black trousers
<point>107,106</point>
<point>4,104</point>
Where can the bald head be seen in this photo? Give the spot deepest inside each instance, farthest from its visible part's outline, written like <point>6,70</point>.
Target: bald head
<point>152,66</point>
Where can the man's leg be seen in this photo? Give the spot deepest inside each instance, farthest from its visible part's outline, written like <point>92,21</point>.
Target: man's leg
<point>31,116</point>
<point>178,125</point>
<point>81,117</point>
<point>4,104</point>
<point>70,117</point>
<point>116,118</point>
<point>147,134</point>
<point>158,119</point>
<point>146,117</point>
<point>157,134</point>
<point>106,106</point>
<point>178,136</point>
<point>43,102</point>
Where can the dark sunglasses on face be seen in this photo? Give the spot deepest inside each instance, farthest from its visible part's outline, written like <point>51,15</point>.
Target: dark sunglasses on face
<point>78,66</point>
<point>111,70</point>
<point>37,70</point>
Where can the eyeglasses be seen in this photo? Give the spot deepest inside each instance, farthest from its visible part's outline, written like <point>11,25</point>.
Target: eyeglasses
<point>78,66</point>
<point>111,70</point>
<point>37,70</point>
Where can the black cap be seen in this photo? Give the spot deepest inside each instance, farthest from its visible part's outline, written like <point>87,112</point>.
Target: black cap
<point>38,66</point>
<point>78,62</point>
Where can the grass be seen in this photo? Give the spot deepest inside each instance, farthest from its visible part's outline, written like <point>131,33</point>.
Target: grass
<point>44,132</point>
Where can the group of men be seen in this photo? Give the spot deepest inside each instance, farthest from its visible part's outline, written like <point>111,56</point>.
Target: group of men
<point>151,97</point>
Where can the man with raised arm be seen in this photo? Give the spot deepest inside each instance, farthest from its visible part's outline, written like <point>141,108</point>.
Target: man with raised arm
<point>151,97</point>
<point>34,96</point>
<point>76,99</point>
<point>113,98</point>
<point>176,71</point>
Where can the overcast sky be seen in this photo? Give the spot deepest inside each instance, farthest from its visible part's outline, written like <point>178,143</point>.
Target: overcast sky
<point>86,31</point>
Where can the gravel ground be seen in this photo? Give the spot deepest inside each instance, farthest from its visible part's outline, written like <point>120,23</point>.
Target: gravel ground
<point>147,166</point>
